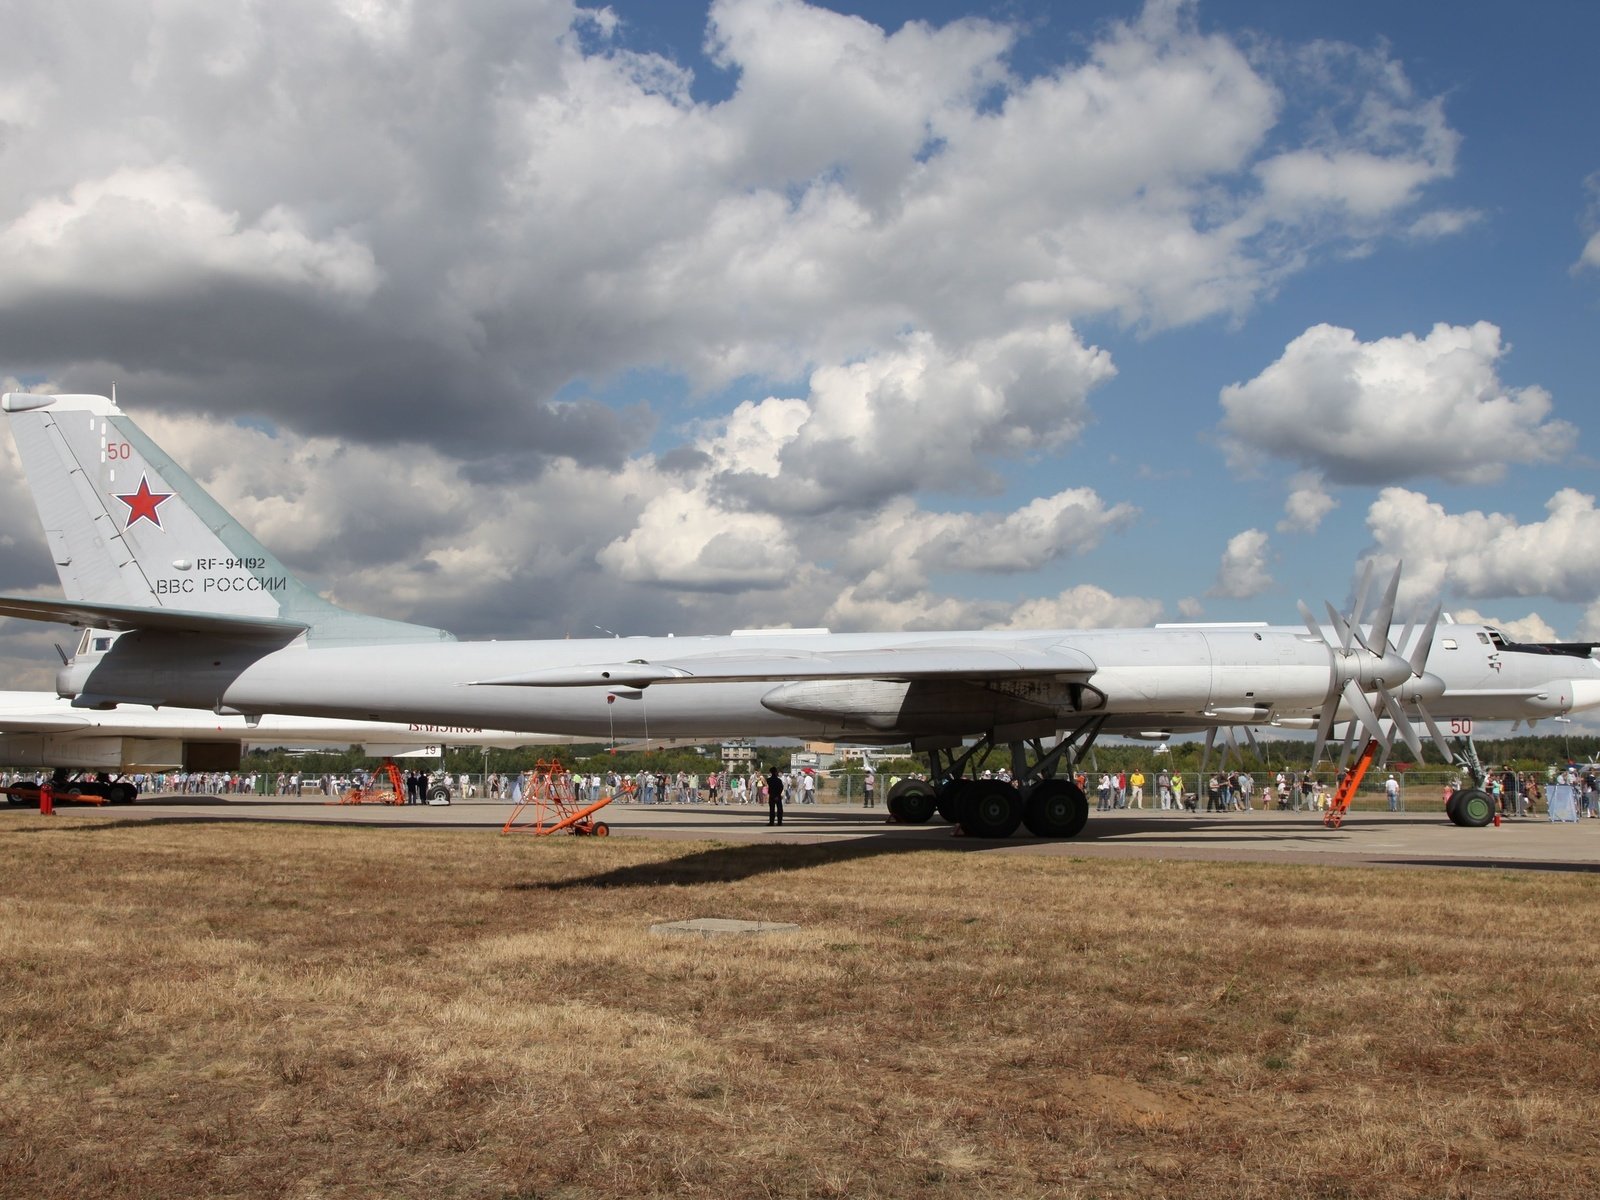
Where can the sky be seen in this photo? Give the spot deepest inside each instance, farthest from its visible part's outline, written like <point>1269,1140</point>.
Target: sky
<point>530,319</point>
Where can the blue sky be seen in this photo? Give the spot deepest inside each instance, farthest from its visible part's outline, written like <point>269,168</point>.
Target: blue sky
<point>522,317</point>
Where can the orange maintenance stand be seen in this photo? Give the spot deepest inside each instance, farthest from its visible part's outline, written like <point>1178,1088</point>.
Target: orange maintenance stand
<point>1346,791</point>
<point>547,790</point>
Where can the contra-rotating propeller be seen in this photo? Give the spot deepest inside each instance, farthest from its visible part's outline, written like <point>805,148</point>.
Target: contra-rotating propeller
<point>1364,660</point>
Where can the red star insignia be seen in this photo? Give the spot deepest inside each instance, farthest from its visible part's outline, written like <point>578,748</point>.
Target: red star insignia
<point>143,503</point>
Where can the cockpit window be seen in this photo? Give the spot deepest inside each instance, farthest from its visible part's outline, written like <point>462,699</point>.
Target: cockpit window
<point>1483,637</point>
<point>1498,639</point>
<point>1449,644</point>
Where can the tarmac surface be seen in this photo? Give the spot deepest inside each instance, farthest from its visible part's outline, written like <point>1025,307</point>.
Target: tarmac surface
<point>1414,839</point>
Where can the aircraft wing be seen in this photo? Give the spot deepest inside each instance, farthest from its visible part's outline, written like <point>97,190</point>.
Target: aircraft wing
<point>123,617</point>
<point>925,660</point>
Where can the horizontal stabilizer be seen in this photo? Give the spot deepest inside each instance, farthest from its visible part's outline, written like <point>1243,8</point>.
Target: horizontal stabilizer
<point>124,617</point>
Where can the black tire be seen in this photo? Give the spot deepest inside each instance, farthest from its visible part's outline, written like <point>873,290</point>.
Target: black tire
<point>990,808</point>
<point>1055,808</point>
<point>121,792</point>
<point>1451,809</point>
<point>911,801</point>
<point>438,794</point>
<point>1474,808</point>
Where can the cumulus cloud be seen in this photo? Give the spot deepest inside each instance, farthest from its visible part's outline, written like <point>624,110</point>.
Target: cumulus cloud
<point>1591,248</point>
<point>1395,408</point>
<point>414,245</point>
<point>1591,252</point>
<point>1486,555</point>
<point>917,414</point>
<point>1243,572</point>
<point>139,230</point>
<point>1084,607</point>
<point>1307,504</point>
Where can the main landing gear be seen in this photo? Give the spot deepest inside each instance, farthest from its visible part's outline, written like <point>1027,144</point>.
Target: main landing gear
<point>1046,804</point>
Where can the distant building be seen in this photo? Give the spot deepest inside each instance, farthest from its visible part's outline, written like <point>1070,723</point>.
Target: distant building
<point>737,755</point>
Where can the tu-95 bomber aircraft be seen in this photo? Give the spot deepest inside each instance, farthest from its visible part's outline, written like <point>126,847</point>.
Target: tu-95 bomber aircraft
<point>197,613</point>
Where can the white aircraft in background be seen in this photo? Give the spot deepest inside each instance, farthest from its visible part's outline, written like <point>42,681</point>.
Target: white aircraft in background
<point>42,731</point>
<point>196,612</point>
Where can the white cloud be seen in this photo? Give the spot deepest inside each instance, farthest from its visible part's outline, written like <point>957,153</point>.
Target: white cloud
<point>142,229</point>
<point>1485,555</point>
<point>1190,608</point>
<point>1444,222</point>
<point>902,545</point>
<point>916,416</point>
<point>1591,252</point>
<point>1243,572</point>
<point>685,540</point>
<point>1396,408</point>
<point>1084,607</point>
<point>1307,504</point>
<point>1589,627</point>
<point>401,231</point>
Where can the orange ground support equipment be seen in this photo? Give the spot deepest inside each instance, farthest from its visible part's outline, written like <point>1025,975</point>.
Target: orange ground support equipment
<point>548,795</point>
<point>1346,791</point>
<point>375,792</point>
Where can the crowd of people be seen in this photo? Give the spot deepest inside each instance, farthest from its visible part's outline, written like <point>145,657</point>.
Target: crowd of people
<point>690,787</point>
<point>1515,794</point>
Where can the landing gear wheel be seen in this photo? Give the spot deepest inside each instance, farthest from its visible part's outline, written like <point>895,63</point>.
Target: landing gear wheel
<point>991,808</point>
<point>911,801</point>
<point>1474,808</point>
<point>1055,808</point>
<point>439,794</point>
<point>121,792</point>
<point>1452,809</point>
<point>950,803</point>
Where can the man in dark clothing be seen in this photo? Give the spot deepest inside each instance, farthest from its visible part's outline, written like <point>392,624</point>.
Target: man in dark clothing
<point>774,798</point>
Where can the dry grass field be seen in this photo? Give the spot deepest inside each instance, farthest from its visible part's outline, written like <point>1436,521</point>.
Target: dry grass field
<point>217,1010</point>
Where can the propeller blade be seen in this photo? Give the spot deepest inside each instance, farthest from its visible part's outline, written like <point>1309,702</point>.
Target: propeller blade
<point>1397,714</point>
<point>1424,646</point>
<point>1330,709</point>
<point>1311,622</point>
<point>1405,636</point>
<point>1349,745</point>
<point>1361,593</point>
<point>1384,617</point>
<point>1433,732</point>
<point>1342,629</point>
<point>1357,700</point>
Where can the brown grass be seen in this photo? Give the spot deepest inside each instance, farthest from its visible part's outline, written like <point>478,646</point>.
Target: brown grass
<point>238,1010</point>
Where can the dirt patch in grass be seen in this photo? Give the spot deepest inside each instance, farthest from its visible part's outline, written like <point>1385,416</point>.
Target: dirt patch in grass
<point>233,1010</point>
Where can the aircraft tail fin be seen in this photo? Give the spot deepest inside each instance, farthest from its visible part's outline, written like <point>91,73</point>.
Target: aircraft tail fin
<point>128,528</point>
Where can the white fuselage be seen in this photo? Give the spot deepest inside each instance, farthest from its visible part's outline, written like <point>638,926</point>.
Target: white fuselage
<point>1141,678</point>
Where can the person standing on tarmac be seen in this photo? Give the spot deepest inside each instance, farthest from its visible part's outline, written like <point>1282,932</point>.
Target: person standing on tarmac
<point>774,798</point>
